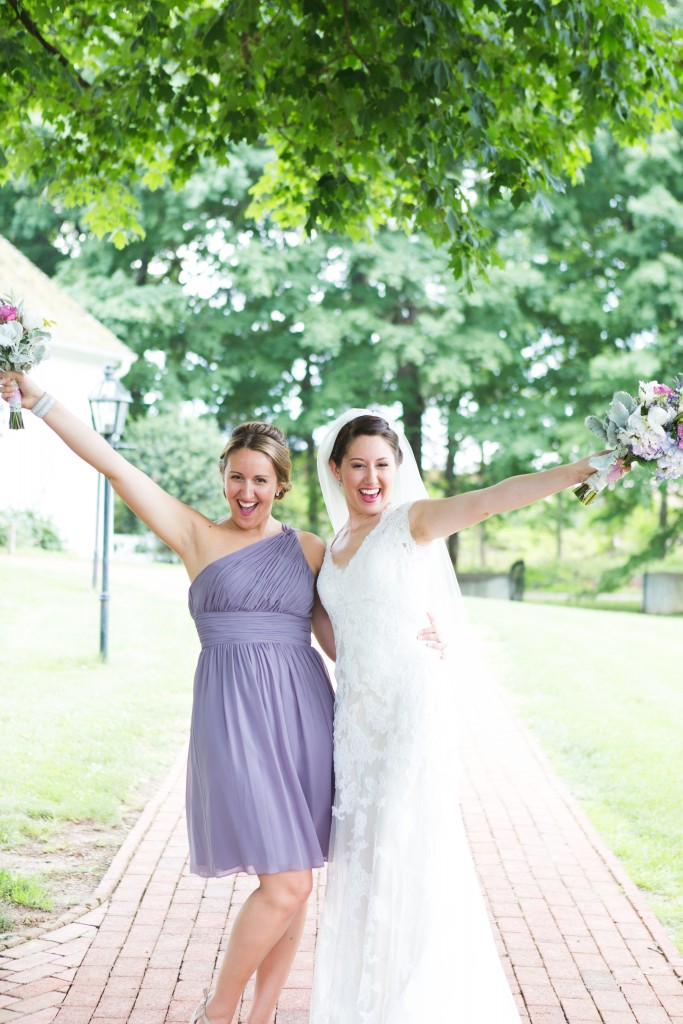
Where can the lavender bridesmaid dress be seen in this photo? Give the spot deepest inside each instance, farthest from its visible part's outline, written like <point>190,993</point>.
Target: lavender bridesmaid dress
<point>259,780</point>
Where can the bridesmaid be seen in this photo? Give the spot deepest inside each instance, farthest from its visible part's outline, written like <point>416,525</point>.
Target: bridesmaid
<point>259,785</point>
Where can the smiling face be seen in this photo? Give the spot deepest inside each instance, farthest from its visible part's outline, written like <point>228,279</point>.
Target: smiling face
<point>250,484</point>
<point>367,474</point>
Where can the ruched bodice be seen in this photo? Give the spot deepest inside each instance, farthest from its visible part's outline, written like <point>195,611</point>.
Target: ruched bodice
<point>259,788</point>
<point>251,579</point>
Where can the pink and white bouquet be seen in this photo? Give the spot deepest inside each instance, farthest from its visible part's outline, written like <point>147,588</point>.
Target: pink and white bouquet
<point>647,430</point>
<point>24,343</point>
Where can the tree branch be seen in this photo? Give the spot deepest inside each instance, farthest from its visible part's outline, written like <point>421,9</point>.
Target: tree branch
<point>349,41</point>
<point>33,30</point>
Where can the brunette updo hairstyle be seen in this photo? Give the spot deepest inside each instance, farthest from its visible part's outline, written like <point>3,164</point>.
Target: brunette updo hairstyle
<point>265,438</point>
<point>365,426</point>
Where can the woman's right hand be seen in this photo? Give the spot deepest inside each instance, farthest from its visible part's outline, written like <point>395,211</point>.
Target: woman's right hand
<point>30,391</point>
<point>431,636</point>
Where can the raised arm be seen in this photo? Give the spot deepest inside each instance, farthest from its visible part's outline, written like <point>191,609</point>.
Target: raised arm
<point>441,517</point>
<point>174,522</point>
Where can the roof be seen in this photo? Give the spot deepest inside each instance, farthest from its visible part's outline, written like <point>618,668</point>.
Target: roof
<point>74,329</point>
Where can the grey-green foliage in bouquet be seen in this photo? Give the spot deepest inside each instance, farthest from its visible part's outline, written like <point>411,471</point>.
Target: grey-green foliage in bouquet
<point>647,430</point>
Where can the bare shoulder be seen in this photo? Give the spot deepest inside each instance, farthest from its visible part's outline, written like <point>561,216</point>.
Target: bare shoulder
<point>313,548</point>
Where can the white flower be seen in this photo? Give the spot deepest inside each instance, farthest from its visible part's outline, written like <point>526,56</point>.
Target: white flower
<point>659,417</point>
<point>32,321</point>
<point>644,437</point>
<point>646,391</point>
<point>11,333</point>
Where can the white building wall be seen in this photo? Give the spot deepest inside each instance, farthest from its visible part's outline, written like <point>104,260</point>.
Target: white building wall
<point>37,471</point>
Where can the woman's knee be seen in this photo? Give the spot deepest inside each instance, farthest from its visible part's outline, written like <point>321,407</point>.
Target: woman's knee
<point>289,890</point>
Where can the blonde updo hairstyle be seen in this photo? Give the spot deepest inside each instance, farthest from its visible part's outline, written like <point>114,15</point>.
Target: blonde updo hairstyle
<point>265,438</point>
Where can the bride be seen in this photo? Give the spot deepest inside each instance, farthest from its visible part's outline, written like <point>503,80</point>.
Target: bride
<point>404,934</point>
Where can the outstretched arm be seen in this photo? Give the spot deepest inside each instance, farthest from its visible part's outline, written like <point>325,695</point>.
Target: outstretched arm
<point>174,522</point>
<point>441,517</point>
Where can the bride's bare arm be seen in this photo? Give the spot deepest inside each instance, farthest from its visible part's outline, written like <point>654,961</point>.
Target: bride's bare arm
<point>441,517</point>
<point>171,520</point>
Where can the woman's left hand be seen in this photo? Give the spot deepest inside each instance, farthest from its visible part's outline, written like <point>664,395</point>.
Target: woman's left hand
<point>30,391</point>
<point>431,636</point>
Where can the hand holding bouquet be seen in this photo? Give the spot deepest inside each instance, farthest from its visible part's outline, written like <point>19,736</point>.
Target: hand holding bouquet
<point>647,430</point>
<point>23,343</point>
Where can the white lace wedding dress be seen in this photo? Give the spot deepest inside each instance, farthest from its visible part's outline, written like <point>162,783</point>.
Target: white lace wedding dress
<point>404,935</point>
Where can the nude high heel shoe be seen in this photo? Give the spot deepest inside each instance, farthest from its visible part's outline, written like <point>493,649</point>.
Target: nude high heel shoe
<point>199,1015</point>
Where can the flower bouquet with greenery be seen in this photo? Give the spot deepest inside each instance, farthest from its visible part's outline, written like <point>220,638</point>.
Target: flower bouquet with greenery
<point>24,343</point>
<point>647,430</point>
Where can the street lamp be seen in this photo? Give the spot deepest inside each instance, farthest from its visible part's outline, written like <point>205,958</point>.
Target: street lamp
<point>108,407</point>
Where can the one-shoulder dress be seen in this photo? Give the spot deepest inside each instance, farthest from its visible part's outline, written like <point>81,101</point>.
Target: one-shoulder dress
<point>259,779</point>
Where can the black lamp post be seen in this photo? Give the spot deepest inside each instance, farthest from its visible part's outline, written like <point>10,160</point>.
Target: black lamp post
<point>108,407</point>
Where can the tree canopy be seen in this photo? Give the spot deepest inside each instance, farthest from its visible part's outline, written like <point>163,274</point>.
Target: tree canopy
<point>388,112</point>
<point>243,319</point>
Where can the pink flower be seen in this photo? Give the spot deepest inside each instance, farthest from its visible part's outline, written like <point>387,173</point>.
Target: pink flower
<point>616,472</point>
<point>662,389</point>
<point>8,313</point>
<point>680,435</point>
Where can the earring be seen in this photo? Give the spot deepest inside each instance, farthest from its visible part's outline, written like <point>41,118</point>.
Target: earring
<point>339,483</point>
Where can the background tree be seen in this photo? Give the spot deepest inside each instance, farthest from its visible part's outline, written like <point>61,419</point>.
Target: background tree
<point>182,457</point>
<point>239,318</point>
<point>608,303</point>
<point>382,112</point>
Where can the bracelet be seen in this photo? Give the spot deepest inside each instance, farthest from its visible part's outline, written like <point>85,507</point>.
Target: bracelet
<point>43,405</point>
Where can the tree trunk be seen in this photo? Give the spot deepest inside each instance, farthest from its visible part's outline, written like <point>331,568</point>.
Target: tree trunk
<point>311,462</point>
<point>141,274</point>
<point>482,545</point>
<point>450,481</point>
<point>664,507</point>
<point>312,484</point>
<point>559,527</point>
<point>413,404</point>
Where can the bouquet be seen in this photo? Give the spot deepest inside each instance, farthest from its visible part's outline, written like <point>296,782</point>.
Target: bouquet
<point>23,343</point>
<point>647,430</point>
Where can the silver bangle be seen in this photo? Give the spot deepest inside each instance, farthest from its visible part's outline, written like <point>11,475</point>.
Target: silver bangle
<point>43,405</point>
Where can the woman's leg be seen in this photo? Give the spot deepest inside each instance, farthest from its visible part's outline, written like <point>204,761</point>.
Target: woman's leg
<point>269,913</point>
<point>273,971</point>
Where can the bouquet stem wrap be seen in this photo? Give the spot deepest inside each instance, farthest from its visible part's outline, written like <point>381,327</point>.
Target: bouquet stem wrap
<point>606,473</point>
<point>16,419</point>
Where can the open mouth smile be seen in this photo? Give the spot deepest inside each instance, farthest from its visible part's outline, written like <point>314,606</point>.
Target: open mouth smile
<point>369,494</point>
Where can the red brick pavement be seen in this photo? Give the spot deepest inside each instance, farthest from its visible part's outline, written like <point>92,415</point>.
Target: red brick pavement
<point>577,941</point>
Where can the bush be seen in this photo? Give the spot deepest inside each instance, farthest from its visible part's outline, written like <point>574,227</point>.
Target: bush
<point>31,530</point>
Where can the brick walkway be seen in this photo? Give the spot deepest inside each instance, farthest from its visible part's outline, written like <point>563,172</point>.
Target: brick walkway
<point>576,938</point>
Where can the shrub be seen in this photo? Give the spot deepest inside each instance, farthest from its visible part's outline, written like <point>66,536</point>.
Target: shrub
<point>30,530</point>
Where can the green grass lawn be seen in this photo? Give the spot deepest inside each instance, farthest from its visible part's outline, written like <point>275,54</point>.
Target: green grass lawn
<point>603,693</point>
<point>84,741</point>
